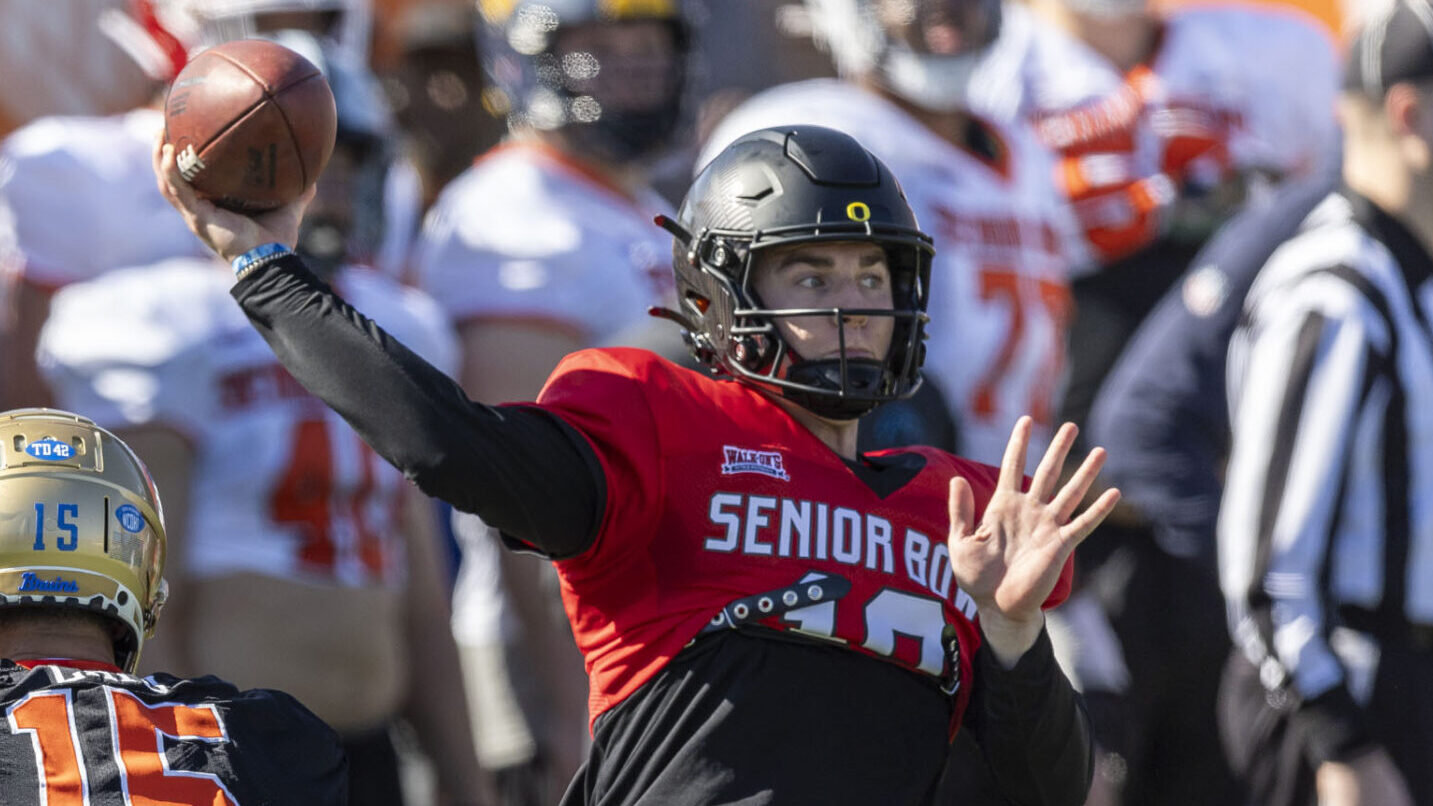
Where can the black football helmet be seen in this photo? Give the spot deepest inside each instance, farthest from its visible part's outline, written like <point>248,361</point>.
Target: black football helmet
<point>790,185</point>
<point>536,85</point>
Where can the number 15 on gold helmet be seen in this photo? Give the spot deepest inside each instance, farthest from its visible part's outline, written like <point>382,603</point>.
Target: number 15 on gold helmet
<point>81,525</point>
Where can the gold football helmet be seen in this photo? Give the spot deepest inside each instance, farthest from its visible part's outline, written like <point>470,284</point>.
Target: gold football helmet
<point>80,524</point>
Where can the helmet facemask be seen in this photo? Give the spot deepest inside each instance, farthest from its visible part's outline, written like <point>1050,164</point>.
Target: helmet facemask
<point>732,332</point>
<point>843,387</point>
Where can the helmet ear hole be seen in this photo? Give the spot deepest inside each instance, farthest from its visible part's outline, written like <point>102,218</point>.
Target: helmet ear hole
<point>759,353</point>
<point>720,254</point>
<point>697,303</point>
<point>748,351</point>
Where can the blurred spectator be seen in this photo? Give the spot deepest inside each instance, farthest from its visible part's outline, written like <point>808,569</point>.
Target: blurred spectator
<point>1164,125</point>
<point>436,88</point>
<point>84,172</point>
<point>88,58</point>
<point>544,246</point>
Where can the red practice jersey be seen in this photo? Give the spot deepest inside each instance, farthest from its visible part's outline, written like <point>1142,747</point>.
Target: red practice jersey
<point>721,508</point>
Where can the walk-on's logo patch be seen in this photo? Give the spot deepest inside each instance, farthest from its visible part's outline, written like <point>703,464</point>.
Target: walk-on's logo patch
<point>741,460</point>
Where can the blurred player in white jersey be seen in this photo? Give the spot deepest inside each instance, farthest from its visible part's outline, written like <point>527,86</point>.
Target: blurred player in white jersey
<point>1164,124</point>
<point>80,58</point>
<point>1005,243</point>
<point>83,173</point>
<point>72,173</point>
<point>301,561</point>
<point>546,245</point>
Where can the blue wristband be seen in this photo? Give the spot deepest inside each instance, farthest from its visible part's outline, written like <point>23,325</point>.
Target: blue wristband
<point>257,254</point>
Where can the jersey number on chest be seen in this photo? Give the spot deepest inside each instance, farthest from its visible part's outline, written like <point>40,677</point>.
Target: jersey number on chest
<point>887,616</point>
<point>1018,291</point>
<point>308,498</point>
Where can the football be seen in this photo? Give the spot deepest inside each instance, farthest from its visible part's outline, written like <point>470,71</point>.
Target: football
<point>252,124</point>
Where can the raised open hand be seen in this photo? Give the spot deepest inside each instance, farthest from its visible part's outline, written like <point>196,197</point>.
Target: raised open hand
<point>1010,562</point>
<point>227,232</point>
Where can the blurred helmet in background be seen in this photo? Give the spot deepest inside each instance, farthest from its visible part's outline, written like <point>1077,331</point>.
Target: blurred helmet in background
<point>611,75</point>
<point>347,25</point>
<point>924,51</point>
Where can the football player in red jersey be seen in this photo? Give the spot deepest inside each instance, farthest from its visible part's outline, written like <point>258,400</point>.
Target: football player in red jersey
<point>767,616</point>
<point>82,549</point>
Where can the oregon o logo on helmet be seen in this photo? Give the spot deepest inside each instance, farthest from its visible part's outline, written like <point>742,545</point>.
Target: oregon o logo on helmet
<point>858,211</point>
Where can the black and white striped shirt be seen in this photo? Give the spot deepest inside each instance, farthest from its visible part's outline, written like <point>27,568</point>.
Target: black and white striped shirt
<point>1327,513</point>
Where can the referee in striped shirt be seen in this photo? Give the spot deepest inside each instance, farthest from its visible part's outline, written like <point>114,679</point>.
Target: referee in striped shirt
<point>1326,522</point>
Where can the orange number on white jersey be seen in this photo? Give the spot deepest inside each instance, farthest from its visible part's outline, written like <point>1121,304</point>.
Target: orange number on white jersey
<point>1017,291</point>
<point>306,496</point>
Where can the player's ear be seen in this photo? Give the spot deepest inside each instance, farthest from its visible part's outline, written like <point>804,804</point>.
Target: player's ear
<point>1404,109</point>
<point>1408,113</point>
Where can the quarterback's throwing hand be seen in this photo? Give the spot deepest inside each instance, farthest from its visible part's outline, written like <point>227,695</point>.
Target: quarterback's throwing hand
<point>1010,562</point>
<point>229,233</point>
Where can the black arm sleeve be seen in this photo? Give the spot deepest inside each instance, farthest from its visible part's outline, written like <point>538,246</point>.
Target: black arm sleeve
<point>1033,729</point>
<point>523,470</point>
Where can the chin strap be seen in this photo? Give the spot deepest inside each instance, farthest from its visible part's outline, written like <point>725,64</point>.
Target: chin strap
<point>828,396</point>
